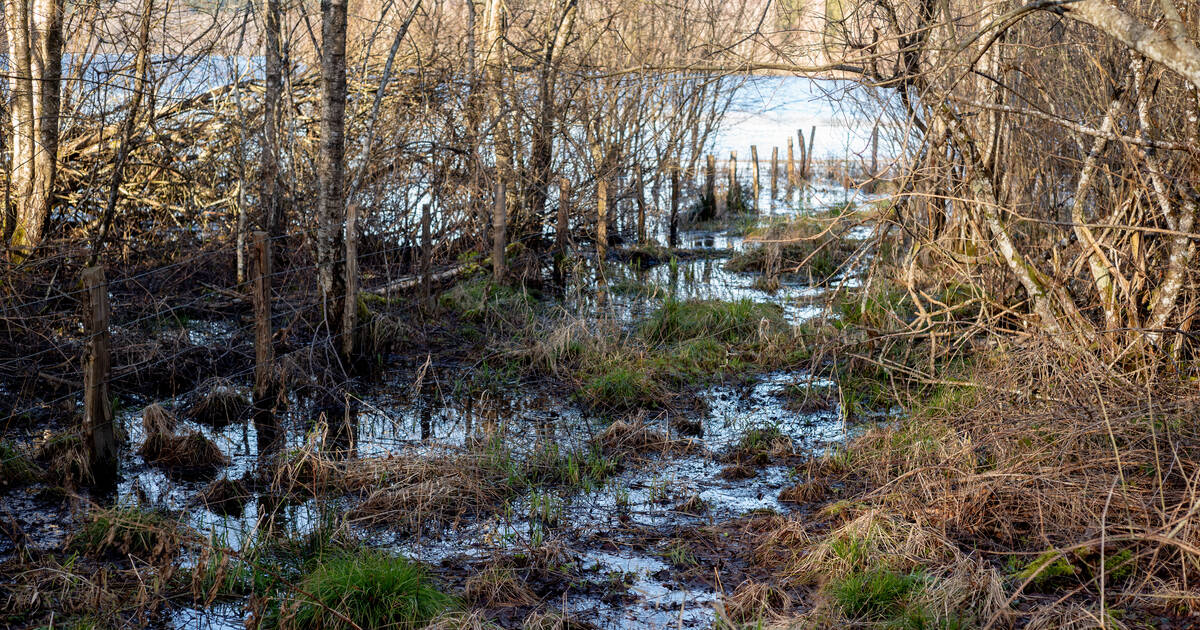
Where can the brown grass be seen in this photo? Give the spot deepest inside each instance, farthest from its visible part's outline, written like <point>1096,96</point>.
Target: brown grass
<point>497,587</point>
<point>190,453</point>
<point>1049,455</point>
<point>805,492</point>
<point>754,601</point>
<point>218,403</point>
<point>404,490</point>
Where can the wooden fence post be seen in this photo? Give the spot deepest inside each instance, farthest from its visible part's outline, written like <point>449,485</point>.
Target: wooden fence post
<point>791,166</point>
<point>800,174</point>
<point>266,428</point>
<point>808,155</point>
<point>774,171</point>
<point>673,234</point>
<point>733,176</point>
<point>710,183</point>
<point>426,255</point>
<point>640,190</point>
<point>100,436</point>
<point>499,230</point>
<point>601,220</point>
<point>754,173</point>
<point>875,151</point>
<point>350,299</point>
<point>560,229</point>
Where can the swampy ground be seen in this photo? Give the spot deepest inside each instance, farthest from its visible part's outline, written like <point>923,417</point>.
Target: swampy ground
<point>742,432</point>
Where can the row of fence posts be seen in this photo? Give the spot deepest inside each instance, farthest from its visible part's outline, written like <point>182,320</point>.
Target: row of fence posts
<point>99,427</point>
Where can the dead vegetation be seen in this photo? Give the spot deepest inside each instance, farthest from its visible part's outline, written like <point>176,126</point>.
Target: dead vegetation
<point>217,403</point>
<point>189,454</point>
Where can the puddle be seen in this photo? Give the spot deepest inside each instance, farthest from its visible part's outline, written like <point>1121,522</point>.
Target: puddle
<point>600,525</point>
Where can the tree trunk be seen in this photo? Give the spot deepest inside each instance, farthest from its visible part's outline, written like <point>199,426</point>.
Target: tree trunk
<point>270,217</point>
<point>47,68</point>
<point>331,205</point>
<point>26,230</point>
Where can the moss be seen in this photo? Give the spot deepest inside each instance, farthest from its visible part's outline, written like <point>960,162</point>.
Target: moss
<point>481,299</point>
<point>1045,570</point>
<point>365,589</point>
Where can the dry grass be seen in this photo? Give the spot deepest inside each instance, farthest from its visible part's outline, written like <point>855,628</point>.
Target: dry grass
<point>404,490</point>
<point>498,587</point>
<point>217,402</point>
<point>226,496</point>
<point>1054,483</point>
<point>190,454</point>
<point>753,601</point>
<point>805,492</point>
<point>634,437</point>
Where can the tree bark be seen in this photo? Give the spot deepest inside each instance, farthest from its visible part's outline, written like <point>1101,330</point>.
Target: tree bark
<point>271,217</point>
<point>331,161</point>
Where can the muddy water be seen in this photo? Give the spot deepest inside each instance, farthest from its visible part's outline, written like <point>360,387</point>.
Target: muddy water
<point>603,529</point>
<point>619,532</point>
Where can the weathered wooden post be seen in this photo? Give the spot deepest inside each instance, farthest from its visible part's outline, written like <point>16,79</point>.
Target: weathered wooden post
<point>754,173</point>
<point>266,428</point>
<point>560,228</point>
<point>673,234</point>
<point>710,189</point>
<point>426,255</point>
<point>350,299</point>
<point>875,151</point>
<point>791,166</point>
<point>733,176</point>
<point>100,436</point>
<point>808,155</point>
<point>640,191</point>
<point>499,230</point>
<point>601,220</point>
<point>774,171</point>
<point>801,171</point>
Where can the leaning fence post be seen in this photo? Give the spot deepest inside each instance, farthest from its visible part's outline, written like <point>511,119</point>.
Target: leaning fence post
<point>808,155</point>
<point>754,173</point>
<point>265,427</point>
<point>802,172</point>
<point>99,433</point>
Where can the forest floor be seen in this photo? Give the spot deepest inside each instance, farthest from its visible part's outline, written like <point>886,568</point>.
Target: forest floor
<point>725,435</point>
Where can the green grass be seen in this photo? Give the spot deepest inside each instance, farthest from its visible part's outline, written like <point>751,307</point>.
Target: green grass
<point>732,322</point>
<point>365,589</point>
<point>877,594</point>
<point>621,387</point>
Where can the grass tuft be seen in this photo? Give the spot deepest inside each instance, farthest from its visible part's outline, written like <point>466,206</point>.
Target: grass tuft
<point>365,589</point>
